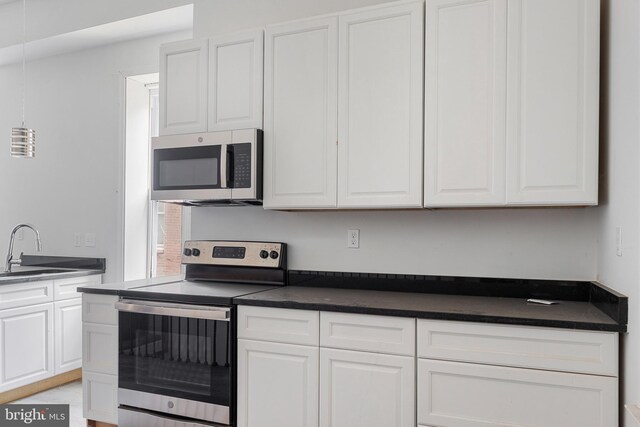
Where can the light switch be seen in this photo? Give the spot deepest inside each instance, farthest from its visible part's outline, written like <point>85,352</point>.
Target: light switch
<point>89,240</point>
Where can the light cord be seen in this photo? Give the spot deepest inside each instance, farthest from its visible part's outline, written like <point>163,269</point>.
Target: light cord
<point>24,58</point>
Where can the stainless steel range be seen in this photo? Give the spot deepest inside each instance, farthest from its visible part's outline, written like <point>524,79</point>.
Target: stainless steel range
<point>178,340</point>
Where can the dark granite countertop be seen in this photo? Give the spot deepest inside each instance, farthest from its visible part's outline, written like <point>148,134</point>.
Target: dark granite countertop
<point>490,309</point>
<point>36,268</point>
<point>117,287</point>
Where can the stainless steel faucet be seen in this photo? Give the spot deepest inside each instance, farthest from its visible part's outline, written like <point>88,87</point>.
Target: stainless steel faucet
<point>10,261</point>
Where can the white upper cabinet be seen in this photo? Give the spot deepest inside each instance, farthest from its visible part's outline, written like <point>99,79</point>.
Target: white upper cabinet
<point>300,128</point>
<point>552,102</point>
<point>183,87</point>
<point>363,115</point>
<point>380,107</point>
<point>466,68</point>
<point>211,85</point>
<point>235,81</point>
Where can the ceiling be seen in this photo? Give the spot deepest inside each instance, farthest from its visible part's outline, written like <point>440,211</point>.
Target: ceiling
<point>163,22</point>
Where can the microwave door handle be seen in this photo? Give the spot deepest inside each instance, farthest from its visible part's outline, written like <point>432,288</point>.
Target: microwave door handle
<point>223,165</point>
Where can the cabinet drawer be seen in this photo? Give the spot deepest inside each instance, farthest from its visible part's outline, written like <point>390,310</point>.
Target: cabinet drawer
<point>279,325</point>
<point>100,397</point>
<point>26,293</point>
<point>99,309</point>
<point>526,347</point>
<point>66,288</point>
<point>378,334</point>
<point>100,348</point>
<point>456,394</point>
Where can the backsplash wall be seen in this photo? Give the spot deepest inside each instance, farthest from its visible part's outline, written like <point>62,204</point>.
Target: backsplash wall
<point>512,243</point>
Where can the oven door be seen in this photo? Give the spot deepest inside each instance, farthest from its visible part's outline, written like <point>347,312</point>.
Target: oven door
<point>190,167</point>
<point>176,359</point>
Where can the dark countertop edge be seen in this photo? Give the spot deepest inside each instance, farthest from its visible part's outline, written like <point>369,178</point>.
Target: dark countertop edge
<point>77,263</point>
<point>436,315</point>
<point>101,291</point>
<point>52,276</point>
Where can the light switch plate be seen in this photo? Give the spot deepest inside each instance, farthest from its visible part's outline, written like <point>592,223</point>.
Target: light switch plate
<point>89,240</point>
<point>77,240</point>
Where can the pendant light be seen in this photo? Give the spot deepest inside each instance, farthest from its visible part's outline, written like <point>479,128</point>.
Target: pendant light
<point>23,140</point>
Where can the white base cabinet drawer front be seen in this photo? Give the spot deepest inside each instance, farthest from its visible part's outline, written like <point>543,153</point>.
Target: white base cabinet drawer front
<point>100,348</point>
<point>26,337</point>
<point>360,389</point>
<point>22,294</point>
<point>279,325</point>
<point>100,397</point>
<point>455,394</point>
<point>520,346</point>
<point>68,335</point>
<point>377,334</point>
<point>277,385</point>
<point>99,309</point>
<point>66,288</point>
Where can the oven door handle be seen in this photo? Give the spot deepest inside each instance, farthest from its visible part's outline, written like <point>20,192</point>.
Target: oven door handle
<point>176,310</point>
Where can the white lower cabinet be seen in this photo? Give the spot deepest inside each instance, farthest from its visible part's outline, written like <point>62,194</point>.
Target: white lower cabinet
<point>100,358</point>
<point>68,335</point>
<point>456,394</point>
<point>277,384</point>
<point>100,397</point>
<point>26,337</point>
<point>359,389</point>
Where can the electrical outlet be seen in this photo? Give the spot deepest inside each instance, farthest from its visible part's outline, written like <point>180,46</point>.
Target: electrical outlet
<point>77,240</point>
<point>89,240</point>
<point>619,241</point>
<point>353,239</point>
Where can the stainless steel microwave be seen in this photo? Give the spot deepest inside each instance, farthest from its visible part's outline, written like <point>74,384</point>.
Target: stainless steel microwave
<point>203,169</point>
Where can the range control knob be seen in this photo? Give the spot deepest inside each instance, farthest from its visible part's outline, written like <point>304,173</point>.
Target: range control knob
<point>264,254</point>
<point>274,255</point>
<point>195,252</point>
<point>187,252</point>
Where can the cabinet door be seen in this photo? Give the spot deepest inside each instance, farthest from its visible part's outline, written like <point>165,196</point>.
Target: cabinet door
<point>277,385</point>
<point>68,335</point>
<point>552,102</point>
<point>360,389</point>
<point>235,81</point>
<point>466,395</point>
<point>26,340</point>
<point>300,126</point>
<point>380,108</point>
<point>465,125</point>
<point>100,348</point>
<point>183,87</point>
<point>100,397</point>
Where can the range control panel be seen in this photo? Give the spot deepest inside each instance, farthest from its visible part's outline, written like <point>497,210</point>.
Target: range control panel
<point>246,254</point>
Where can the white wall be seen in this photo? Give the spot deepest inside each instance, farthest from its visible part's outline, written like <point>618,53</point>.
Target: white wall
<point>75,104</point>
<point>620,177</point>
<point>550,244</point>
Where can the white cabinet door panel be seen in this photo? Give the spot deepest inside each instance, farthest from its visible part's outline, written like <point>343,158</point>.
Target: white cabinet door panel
<point>300,126</point>
<point>465,95</point>
<point>24,294</point>
<point>277,385</point>
<point>26,340</point>
<point>100,397</point>
<point>380,108</point>
<point>100,348</point>
<point>97,308</point>
<point>553,102</point>
<point>183,87</point>
<point>466,395</point>
<point>66,288</point>
<point>235,81</point>
<point>68,335</point>
<point>279,325</point>
<point>360,389</point>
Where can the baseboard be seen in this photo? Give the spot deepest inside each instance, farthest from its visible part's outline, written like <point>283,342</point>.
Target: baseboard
<point>37,387</point>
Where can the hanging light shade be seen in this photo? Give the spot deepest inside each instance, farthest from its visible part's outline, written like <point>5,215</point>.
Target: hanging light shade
<point>23,140</point>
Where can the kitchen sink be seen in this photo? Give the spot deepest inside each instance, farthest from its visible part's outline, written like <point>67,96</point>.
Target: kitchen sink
<point>30,273</point>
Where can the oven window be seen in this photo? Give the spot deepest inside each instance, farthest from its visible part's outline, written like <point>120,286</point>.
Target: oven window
<point>175,356</point>
<point>187,168</point>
